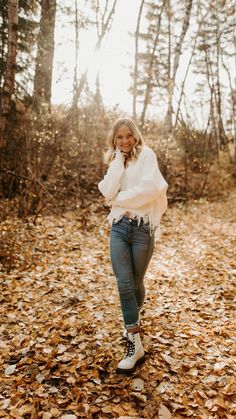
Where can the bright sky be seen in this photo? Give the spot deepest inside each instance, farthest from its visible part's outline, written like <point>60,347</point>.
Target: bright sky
<point>113,62</point>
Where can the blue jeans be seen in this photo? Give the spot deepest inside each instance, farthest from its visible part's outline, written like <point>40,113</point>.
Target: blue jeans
<point>131,248</point>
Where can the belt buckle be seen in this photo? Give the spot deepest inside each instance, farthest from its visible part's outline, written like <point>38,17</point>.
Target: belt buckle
<point>128,215</point>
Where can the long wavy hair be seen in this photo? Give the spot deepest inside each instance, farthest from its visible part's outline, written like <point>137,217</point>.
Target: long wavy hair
<point>139,141</point>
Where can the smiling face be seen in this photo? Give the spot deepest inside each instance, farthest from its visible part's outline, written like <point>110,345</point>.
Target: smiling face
<point>124,139</point>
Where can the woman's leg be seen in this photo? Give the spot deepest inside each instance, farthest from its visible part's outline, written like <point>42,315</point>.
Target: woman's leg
<point>130,250</point>
<point>142,251</point>
<point>122,263</point>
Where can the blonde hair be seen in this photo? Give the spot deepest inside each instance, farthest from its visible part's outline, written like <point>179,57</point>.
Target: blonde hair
<point>139,143</point>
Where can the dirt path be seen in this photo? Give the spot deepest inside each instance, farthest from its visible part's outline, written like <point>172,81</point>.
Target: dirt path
<point>61,324</point>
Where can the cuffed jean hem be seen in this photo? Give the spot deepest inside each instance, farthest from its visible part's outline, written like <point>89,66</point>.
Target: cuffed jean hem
<point>132,328</point>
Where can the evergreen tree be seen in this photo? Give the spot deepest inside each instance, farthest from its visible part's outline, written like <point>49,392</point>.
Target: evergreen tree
<point>7,88</point>
<point>216,53</point>
<point>27,29</point>
<point>168,23</point>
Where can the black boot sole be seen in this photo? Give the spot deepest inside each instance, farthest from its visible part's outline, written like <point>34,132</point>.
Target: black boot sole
<point>131,370</point>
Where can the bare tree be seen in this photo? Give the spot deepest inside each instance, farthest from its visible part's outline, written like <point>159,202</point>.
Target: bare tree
<point>164,48</point>
<point>183,84</point>
<point>215,41</point>
<point>233,104</point>
<point>151,61</point>
<point>221,130</point>
<point>136,60</point>
<point>9,78</point>
<point>178,51</point>
<point>196,38</point>
<point>75,86</point>
<point>103,22</point>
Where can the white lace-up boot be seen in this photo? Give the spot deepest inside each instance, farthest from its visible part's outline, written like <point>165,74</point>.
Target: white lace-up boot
<point>135,354</point>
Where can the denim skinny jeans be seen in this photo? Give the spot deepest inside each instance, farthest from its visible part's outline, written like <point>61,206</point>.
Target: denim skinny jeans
<point>131,248</point>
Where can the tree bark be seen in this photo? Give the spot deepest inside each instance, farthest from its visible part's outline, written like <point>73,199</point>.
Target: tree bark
<point>45,53</point>
<point>150,67</point>
<point>168,118</point>
<point>3,37</point>
<point>171,84</point>
<point>233,106</point>
<point>184,79</point>
<point>75,84</point>
<point>210,82</point>
<point>9,77</point>
<point>221,129</point>
<point>136,60</point>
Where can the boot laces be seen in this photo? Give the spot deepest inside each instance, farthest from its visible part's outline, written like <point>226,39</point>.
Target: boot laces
<point>130,349</point>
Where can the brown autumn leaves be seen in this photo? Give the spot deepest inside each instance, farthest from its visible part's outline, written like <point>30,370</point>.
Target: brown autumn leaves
<point>61,328</point>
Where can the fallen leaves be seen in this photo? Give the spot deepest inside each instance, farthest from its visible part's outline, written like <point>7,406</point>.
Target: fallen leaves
<point>163,412</point>
<point>10,369</point>
<point>61,326</point>
<point>138,384</point>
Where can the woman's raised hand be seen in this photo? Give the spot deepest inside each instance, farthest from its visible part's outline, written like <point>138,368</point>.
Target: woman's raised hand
<point>126,155</point>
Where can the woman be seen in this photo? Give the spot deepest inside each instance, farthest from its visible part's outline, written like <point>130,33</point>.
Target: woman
<point>137,192</point>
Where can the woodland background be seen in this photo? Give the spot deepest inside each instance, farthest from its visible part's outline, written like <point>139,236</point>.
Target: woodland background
<point>54,154</point>
<point>59,361</point>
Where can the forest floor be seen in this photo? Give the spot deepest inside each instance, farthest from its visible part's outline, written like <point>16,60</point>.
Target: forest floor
<point>61,332</point>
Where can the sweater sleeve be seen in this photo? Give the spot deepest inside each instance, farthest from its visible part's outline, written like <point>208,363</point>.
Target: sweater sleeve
<point>110,184</point>
<point>151,186</point>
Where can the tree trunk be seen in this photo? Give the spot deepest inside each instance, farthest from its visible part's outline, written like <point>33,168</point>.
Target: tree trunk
<point>45,53</point>
<point>75,84</point>
<point>184,79</point>
<point>9,78</point>
<point>136,60</point>
<point>221,129</point>
<point>233,106</point>
<point>150,67</point>
<point>103,26</point>
<point>3,37</point>
<point>212,116</point>
<point>168,118</point>
<point>178,52</point>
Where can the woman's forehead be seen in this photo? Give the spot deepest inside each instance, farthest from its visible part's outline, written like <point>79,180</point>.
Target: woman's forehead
<point>123,129</point>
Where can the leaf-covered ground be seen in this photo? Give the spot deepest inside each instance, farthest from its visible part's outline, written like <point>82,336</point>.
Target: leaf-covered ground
<point>62,332</point>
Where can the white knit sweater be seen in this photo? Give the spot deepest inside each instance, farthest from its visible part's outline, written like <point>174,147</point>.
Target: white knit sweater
<point>139,188</point>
